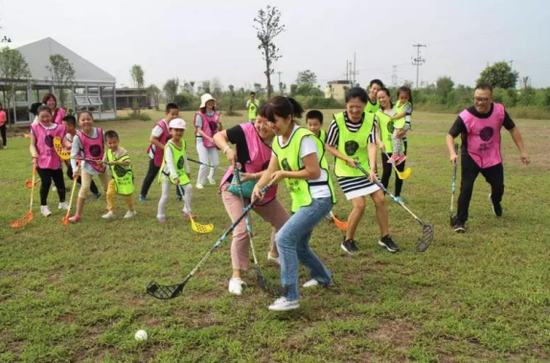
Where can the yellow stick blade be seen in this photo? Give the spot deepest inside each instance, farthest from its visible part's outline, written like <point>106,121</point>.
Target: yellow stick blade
<point>404,174</point>
<point>201,228</point>
<point>63,154</point>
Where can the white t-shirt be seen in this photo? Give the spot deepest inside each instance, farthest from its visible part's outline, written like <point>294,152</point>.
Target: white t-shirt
<point>309,146</point>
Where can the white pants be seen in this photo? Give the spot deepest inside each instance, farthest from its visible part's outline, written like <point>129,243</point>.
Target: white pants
<point>207,155</point>
<point>166,185</point>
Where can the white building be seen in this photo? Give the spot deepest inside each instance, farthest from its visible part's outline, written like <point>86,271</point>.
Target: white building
<point>93,89</point>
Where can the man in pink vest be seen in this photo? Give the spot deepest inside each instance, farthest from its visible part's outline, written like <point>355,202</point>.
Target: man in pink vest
<point>479,127</point>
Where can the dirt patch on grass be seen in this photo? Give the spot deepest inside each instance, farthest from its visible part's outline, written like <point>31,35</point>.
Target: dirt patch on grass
<point>398,333</point>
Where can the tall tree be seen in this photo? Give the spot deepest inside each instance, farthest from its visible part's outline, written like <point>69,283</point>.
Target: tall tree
<point>307,77</point>
<point>14,71</point>
<point>268,26</point>
<point>499,75</point>
<point>61,75</point>
<point>171,88</point>
<point>444,86</point>
<point>153,92</point>
<point>138,76</point>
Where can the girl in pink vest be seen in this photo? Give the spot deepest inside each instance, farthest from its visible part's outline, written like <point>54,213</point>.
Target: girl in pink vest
<point>50,100</point>
<point>252,154</point>
<point>479,127</point>
<point>207,123</point>
<point>46,159</point>
<point>88,143</point>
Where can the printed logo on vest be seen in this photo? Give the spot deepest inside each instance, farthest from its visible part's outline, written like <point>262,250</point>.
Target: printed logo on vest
<point>390,127</point>
<point>486,133</point>
<point>286,165</point>
<point>120,171</point>
<point>213,125</point>
<point>95,151</point>
<point>351,147</point>
<point>49,140</point>
<point>180,163</point>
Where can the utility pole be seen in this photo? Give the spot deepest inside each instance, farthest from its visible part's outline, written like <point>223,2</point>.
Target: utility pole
<point>354,68</point>
<point>394,77</point>
<point>280,84</point>
<point>418,61</point>
<point>511,64</point>
<point>347,70</point>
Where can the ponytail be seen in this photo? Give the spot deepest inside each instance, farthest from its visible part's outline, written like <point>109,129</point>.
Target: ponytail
<point>282,107</point>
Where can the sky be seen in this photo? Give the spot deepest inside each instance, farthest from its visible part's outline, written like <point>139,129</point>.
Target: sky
<point>202,40</point>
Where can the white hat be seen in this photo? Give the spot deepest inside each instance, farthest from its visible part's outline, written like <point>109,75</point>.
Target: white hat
<point>205,98</point>
<point>177,123</point>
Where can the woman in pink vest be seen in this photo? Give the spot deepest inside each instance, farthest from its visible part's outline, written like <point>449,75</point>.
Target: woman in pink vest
<point>57,113</point>
<point>89,144</point>
<point>3,120</point>
<point>479,126</point>
<point>46,159</point>
<point>207,123</point>
<point>253,152</point>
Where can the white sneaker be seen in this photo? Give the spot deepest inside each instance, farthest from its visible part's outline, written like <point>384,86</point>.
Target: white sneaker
<point>274,259</point>
<point>108,215</point>
<point>63,205</point>
<point>282,304</point>
<point>211,181</point>
<point>199,186</point>
<point>130,214</point>
<point>45,211</point>
<point>236,286</point>
<point>311,283</point>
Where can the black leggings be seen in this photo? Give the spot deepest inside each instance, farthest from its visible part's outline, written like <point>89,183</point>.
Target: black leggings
<point>3,131</point>
<point>93,186</point>
<point>387,170</point>
<point>152,173</point>
<point>46,176</point>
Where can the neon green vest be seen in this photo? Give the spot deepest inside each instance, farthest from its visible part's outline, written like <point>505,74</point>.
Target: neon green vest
<point>289,160</point>
<point>353,145</point>
<point>323,136</point>
<point>123,175</point>
<point>179,160</point>
<point>252,110</point>
<point>372,108</point>
<point>400,123</point>
<point>386,130</point>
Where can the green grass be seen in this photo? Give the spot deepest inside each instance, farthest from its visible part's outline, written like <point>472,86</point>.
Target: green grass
<point>77,294</point>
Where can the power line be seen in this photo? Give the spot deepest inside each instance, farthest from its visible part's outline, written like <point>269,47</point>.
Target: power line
<point>418,61</point>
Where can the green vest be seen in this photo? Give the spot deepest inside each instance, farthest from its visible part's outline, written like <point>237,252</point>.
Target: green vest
<point>323,136</point>
<point>353,145</point>
<point>400,123</point>
<point>372,107</point>
<point>252,110</point>
<point>123,175</point>
<point>179,160</point>
<point>386,130</point>
<point>289,160</point>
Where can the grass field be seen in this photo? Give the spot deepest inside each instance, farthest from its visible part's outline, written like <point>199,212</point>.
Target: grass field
<point>77,294</point>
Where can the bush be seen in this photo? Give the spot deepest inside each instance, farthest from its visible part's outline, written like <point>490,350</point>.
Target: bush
<point>140,116</point>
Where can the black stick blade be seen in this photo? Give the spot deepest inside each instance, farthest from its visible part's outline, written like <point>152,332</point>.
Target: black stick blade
<point>163,292</point>
<point>427,238</point>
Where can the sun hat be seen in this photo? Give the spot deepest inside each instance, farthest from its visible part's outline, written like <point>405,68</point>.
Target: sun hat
<point>177,123</point>
<point>205,98</point>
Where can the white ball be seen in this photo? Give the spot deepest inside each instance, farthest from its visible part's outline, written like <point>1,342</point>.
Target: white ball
<point>141,335</point>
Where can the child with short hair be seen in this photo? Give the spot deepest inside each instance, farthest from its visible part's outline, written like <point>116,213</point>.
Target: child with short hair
<point>401,124</point>
<point>70,126</point>
<point>122,182</point>
<point>175,170</point>
<point>88,144</point>
<point>314,120</point>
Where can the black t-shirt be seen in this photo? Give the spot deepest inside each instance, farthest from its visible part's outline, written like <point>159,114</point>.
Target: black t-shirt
<point>236,136</point>
<point>459,128</point>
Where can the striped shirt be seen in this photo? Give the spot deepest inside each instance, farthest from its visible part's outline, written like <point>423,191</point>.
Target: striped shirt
<point>353,185</point>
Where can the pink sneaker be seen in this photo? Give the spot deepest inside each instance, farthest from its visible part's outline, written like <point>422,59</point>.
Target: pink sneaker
<point>76,218</point>
<point>189,216</point>
<point>393,159</point>
<point>401,159</point>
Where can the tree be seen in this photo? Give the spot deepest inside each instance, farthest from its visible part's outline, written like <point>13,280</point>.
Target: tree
<point>61,75</point>
<point>217,91</point>
<point>268,27</point>
<point>306,77</point>
<point>171,89</point>
<point>137,76</point>
<point>499,75</point>
<point>153,92</point>
<point>204,87</point>
<point>14,71</point>
<point>443,86</point>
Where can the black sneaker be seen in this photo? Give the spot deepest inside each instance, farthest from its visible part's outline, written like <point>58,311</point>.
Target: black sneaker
<point>460,226</point>
<point>497,208</point>
<point>95,196</point>
<point>349,246</point>
<point>387,242</point>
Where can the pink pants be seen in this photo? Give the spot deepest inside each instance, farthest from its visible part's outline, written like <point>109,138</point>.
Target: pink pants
<point>272,212</point>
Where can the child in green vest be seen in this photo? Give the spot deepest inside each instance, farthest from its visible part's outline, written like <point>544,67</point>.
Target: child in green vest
<point>314,120</point>
<point>401,123</point>
<point>252,108</point>
<point>175,170</point>
<point>122,181</point>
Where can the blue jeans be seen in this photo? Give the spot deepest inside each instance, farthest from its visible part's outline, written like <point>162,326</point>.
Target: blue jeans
<point>293,246</point>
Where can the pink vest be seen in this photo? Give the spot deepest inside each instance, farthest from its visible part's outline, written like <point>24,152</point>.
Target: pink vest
<point>484,136</point>
<point>158,154</point>
<point>58,116</point>
<point>260,155</point>
<point>47,157</point>
<point>209,126</point>
<point>93,148</point>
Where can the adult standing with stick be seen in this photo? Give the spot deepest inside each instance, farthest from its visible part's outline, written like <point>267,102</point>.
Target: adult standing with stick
<point>479,126</point>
